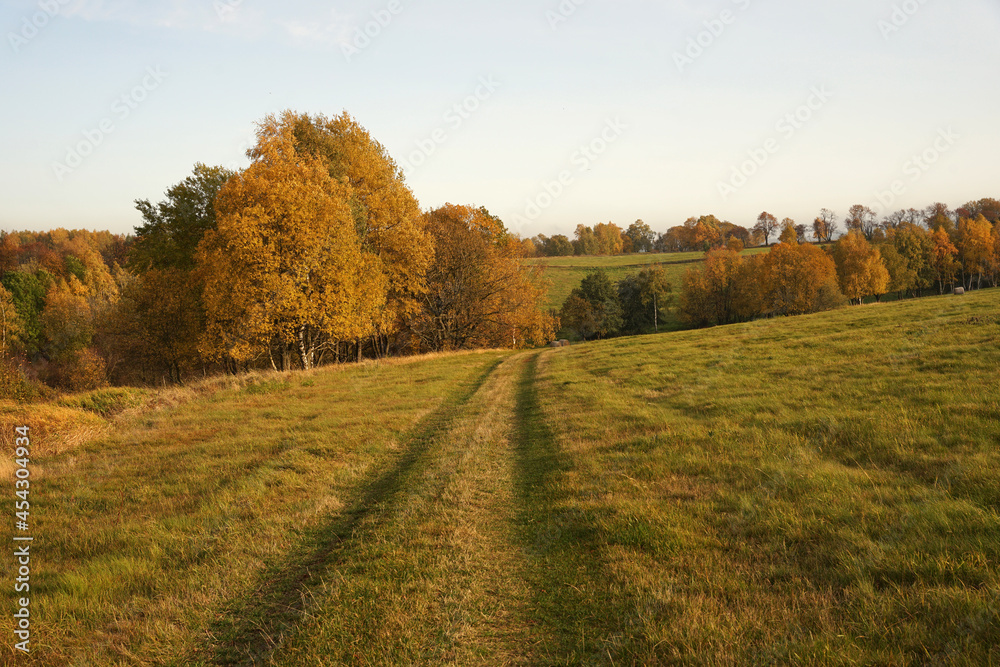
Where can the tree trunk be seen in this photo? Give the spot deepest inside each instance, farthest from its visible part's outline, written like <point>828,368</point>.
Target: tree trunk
<point>305,355</point>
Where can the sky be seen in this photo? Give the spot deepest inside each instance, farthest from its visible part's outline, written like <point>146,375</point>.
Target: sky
<point>550,113</point>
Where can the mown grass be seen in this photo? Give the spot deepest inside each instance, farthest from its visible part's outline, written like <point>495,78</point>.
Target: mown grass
<point>148,536</point>
<point>819,490</point>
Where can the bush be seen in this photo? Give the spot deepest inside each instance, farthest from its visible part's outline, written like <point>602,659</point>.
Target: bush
<point>14,386</point>
<point>83,370</point>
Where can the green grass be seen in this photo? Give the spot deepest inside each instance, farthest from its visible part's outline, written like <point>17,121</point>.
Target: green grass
<point>564,274</point>
<point>814,490</point>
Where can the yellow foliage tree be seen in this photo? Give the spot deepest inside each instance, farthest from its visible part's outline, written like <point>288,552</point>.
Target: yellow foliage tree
<point>860,268</point>
<point>286,265</point>
<point>995,267</point>
<point>712,295</point>
<point>788,233</point>
<point>798,279</point>
<point>943,254</point>
<point>609,239</point>
<point>976,248</point>
<point>385,213</point>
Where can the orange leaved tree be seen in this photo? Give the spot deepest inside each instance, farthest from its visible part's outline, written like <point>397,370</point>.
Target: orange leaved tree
<point>860,268</point>
<point>943,254</point>
<point>479,294</point>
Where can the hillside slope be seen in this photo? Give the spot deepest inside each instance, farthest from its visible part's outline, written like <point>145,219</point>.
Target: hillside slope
<point>565,273</point>
<point>819,490</point>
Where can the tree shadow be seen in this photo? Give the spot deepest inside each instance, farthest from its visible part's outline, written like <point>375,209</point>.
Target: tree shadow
<point>588,619</point>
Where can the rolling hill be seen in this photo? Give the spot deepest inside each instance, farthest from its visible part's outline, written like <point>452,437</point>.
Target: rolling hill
<point>563,274</point>
<point>813,490</point>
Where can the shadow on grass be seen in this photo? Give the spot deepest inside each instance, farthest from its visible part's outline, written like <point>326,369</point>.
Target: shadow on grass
<point>574,597</point>
<point>248,630</point>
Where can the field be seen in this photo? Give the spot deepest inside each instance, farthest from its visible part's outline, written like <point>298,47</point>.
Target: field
<point>565,273</point>
<point>816,490</point>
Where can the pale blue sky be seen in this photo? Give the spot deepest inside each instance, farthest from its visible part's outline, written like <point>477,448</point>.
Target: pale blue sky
<point>197,74</point>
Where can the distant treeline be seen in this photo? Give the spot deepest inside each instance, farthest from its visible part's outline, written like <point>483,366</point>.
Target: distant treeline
<point>706,232</point>
<point>905,256</point>
<point>317,252</point>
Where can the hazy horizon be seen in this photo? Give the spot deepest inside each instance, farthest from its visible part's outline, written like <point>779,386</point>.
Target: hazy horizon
<point>550,115</point>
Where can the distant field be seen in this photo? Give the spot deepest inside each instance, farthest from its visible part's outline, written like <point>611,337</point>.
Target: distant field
<point>822,490</point>
<point>565,273</point>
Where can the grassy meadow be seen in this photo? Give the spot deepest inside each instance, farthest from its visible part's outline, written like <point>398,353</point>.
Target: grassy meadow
<point>564,274</point>
<point>813,490</point>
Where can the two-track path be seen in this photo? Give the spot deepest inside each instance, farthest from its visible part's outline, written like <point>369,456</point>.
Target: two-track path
<point>429,565</point>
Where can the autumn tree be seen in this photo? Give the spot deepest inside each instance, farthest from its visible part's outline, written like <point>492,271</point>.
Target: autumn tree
<point>711,294</point>
<point>387,218</point>
<point>609,239</point>
<point>670,241</point>
<point>989,208</point>
<point>795,279</point>
<point>976,250</point>
<point>939,216</point>
<point>479,294</point>
<point>731,232</point>
<point>766,225</point>
<point>286,266</point>
<point>943,257</point>
<point>913,246</point>
<point>156,326</point>
<point>553,246</point>
<point>860,268</point>
<point>862,219</point>
<point>901,277</point>
<point>995,269</point>
<point>529,249</point>
<point>788,232</point>
<point>702,233</point>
